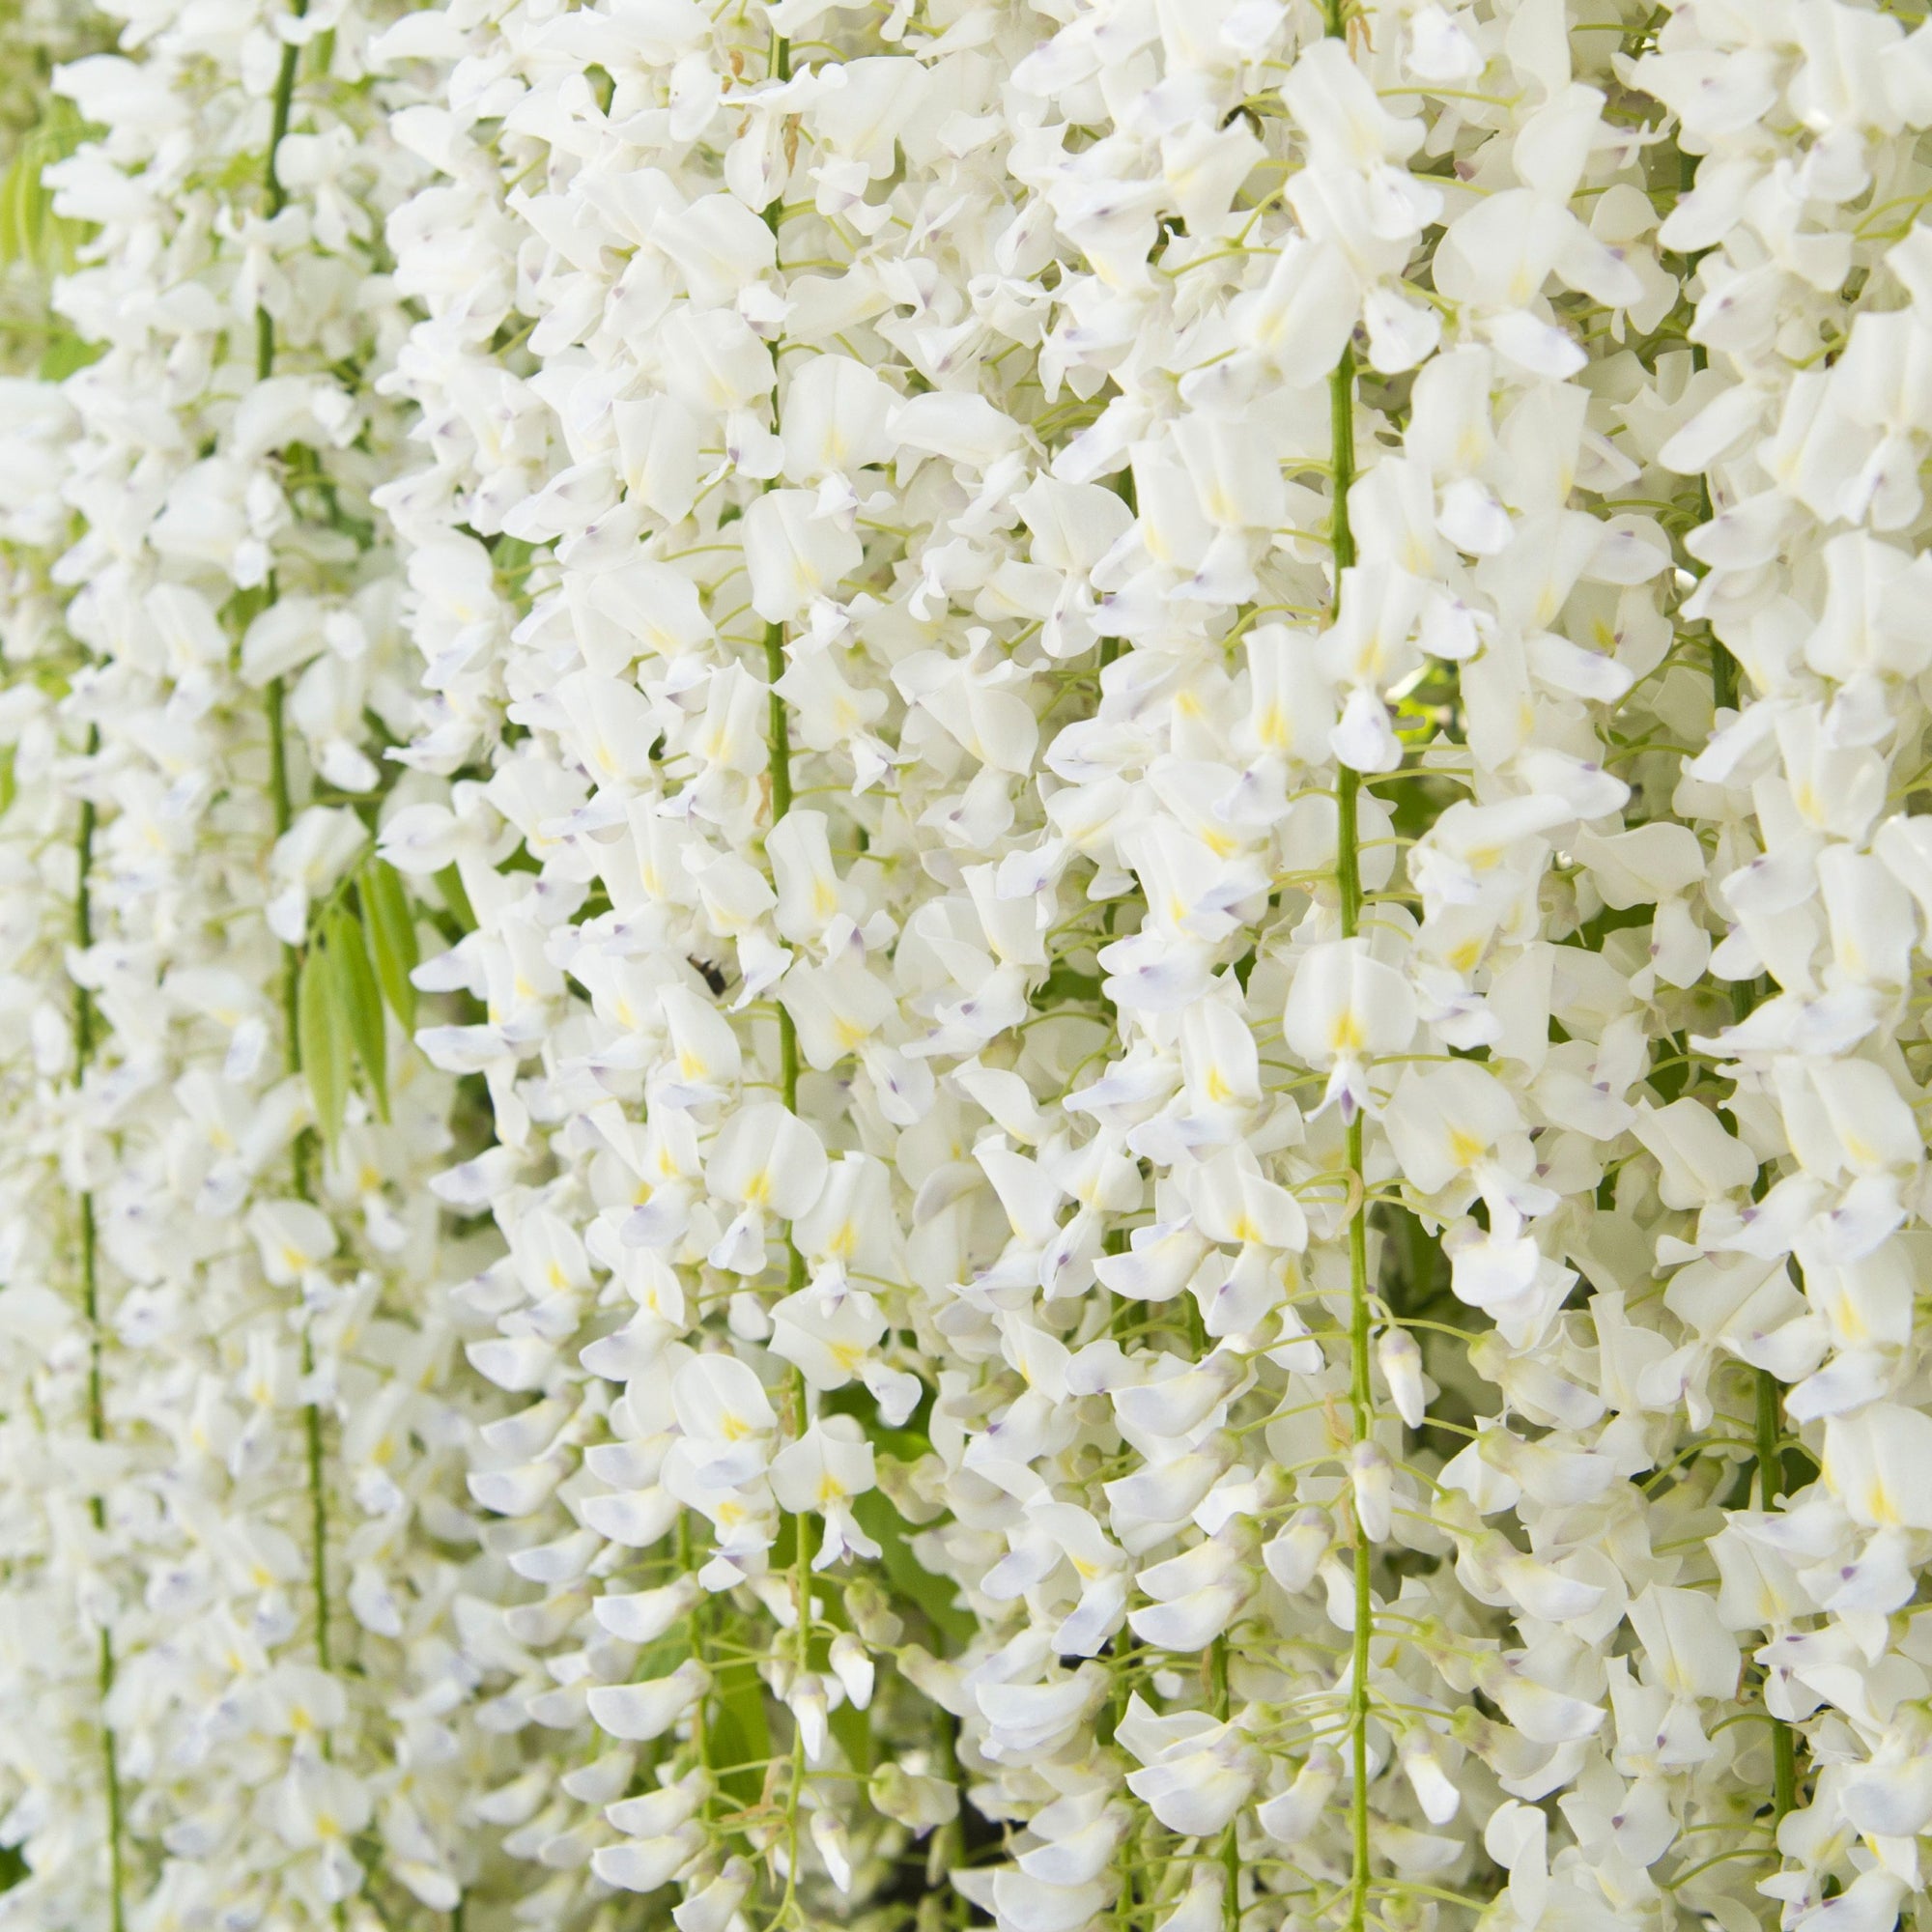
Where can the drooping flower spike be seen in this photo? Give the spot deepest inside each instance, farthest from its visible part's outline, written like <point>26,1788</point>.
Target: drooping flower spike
<point>965,965</point>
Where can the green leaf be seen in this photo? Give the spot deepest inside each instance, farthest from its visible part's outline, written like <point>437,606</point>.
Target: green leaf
<point>30,230</point>
<point>362,1003</point>
<point>738,1737</point>
<point>937,1596</point>
<point>32,210</point>
<point>450,881</point>
<point>1065,987</point>
<point>9,220</point>
<point>392,937</point>
<point>854,1731</point>
<point>66,354</point>
<point>321,1039</point>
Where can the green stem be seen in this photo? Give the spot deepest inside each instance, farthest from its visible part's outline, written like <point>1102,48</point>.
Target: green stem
<point>1361,1394</point>
<point>800,1589</point>
<point>1362,1425</point>
<point>1768,1391</point>
<point>778,754</point>
<point>778,746</point>
<point>1724,666</point>
<point>694,1625</point>
<point>1771,1485</point>
<point>85,1037</point>
<point>778,749</point>
<point>275,194</point>
<point>1230,1847</point>
<point>276,198</point>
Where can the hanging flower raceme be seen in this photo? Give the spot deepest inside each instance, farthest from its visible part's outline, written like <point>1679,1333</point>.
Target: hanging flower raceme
<point>966,962</point>
<point>264,1551</point>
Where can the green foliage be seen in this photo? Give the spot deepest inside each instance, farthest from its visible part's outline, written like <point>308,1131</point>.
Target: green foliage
<point>738,1736</point>
<point>66,353</point>
<point>353,981</point>
<point>360,952</point>
<point>322,1038</point>
<point>30,231</point>
<point>391,932</point>
<point>938,1597</point>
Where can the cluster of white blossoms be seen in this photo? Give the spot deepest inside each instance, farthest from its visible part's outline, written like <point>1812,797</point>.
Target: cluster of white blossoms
<point>967,965</point>
<point>234,1536</point>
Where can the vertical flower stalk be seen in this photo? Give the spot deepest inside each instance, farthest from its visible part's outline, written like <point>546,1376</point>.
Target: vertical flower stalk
<point>85,1033</point>
<point>1361,1392</point>
<point>779,755</point>
<point>1349,889</point>
<point>1767,1391</point>
<point>1768,1428</point>
<point>275,198</point>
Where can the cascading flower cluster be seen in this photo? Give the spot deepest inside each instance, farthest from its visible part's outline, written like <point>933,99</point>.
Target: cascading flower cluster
<point>965,963</point>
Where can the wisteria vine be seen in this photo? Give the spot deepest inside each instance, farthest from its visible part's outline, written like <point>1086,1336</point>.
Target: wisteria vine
<point>965,963</point>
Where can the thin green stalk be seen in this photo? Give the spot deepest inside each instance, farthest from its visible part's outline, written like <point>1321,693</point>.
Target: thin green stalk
<point>1361,1395</point>
<point>275,195</point>
<point>1230,1847</point>
<point>1768,1391</point>
<point>1771,1485</point>
<point>778,743</point>
<point>85,1033</point>
<point>801,1590</point>
<point>694,1635</point>
<point>779,755</point>
<point>274,199</point>
<point>1362,1420</point>
<point>779,752</point>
